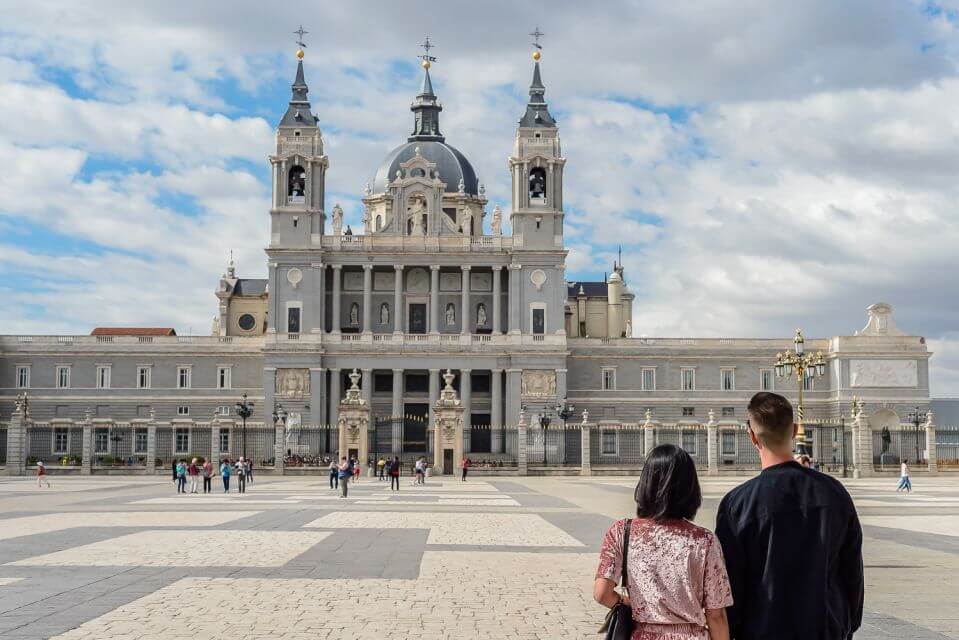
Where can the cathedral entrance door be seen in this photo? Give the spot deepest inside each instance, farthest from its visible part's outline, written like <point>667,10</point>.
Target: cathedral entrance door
<point>415,421</point>
<point>447,462</point>
<point>417,323</point>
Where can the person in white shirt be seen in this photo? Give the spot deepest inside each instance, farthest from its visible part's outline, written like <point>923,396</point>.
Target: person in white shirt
<point>905,484</point>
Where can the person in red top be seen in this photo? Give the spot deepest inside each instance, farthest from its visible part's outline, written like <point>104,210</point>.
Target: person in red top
<point>194,472</point>
<point>42,475</point>
<point>466,466</point>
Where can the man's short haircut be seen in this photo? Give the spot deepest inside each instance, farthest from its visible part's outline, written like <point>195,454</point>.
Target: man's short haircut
<point>771,419</point>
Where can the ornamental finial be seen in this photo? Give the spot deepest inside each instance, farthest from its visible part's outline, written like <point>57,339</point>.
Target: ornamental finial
<point>299,42</point>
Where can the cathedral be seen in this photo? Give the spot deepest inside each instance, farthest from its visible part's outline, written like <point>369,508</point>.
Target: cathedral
<point>434,281</point>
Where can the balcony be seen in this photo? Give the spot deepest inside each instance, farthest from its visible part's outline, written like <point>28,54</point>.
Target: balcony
<point>412,342</point>
<point>414,244</point>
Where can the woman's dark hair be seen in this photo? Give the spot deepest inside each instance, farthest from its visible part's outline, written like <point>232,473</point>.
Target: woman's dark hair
<point>668,486</point>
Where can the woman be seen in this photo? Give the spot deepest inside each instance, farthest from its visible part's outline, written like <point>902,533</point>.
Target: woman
<point>905,483</point>
<point>345,472</point>
<point>194,472</point>
<point>334,475</point>
<point>207,476</point>
<point>226,469</point>
<point>395,473</point>
<point>466,467</point>
<point>678,587</point>
<point>181,477</point>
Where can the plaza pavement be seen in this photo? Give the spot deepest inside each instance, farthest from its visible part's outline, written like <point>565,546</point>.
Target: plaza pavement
<point>491,558</point>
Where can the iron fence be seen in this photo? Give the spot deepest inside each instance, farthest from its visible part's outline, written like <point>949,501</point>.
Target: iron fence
<point>555,446</point>
<point>3,444</point>
<point>890,447</point>
<point>947,446</point>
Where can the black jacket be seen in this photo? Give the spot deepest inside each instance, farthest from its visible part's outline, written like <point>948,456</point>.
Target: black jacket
<point>793,548</point>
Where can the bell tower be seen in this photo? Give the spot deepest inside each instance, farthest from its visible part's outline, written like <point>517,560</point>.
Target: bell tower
<point>537,170</point>
<point>299,169</point>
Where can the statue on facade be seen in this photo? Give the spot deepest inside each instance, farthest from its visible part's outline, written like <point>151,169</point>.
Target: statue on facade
<point>461,188</point>
<point>585,416</point>
<point>337,219</point>
<point>417,213</point>
<point>384,314</point>
<point>467,221</point>
<point>368,191</point>
<point>497,222</point>
<point>450,314</point>
<point>629,328</point>
<point>348,232</point>
<point>354,314</point>
<point>481,315</point>
<point>367,220</point>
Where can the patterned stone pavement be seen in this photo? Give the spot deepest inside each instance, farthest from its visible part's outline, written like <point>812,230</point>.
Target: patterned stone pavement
<point>490,558</point>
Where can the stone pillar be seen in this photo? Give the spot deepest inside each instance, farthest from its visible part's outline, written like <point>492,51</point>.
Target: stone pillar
<point>585,467</point>
<point>398,315</point>
<point>447,428</point>
<point>712,445</point>
<point>497,300</point>
<point>214,453</point>
<point>17,445</point>
<point>86,449</point>
<point>273,302</point>
<point>521,463</point>
<point>367,298</point>
<point>397,411</point>
<point>336,395</point>
<point>152,445</point>
<point>434,300</point>
<point>496,410</point>
<point>354,422</point>
<point>269,393</point>
<point>279,447</point>
<point>513,395</point>
<point>466,399</point>
<point>316,395</point>
<point>862,444</point>
<point>515,324</point>
<point>434,396</point>
<point>931,454</point>
<point>367,385</point>
<point>337,292</point>
<point>649,433</point>
<point>465,313</point>
<point>320,270</point>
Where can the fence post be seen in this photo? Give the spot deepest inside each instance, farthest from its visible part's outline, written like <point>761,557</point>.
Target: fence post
<point>279,448</point>
<point>214,443</point>
<point>712,448</point>
<point>861,444</point>
<point>86,447</point>
<point>585,468</point>
<point>17,441</point>
<point>521,467</point>
<point>931,454</point>
<point>151,462</point>
<point>649,435</point>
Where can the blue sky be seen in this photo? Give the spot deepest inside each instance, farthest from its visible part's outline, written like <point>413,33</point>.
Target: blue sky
<point>764,165</point>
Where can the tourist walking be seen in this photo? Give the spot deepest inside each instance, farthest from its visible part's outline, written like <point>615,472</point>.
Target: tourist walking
<point>42,475</point>
<point>466,467</point>
<point>174,465</point>
<point>395,474</point>
<point>225,470</point>
<point>241,475</point>
<point>207,476</point>
<point>334,474</point>
<point>681,588</point>
<point>792,541</point>
<point>181,477</point>
<point>249,470</point>
<point>194,472</point>
<point>356,468</point>
<point>381,468</point>
<point>345,472</point>
<point>905,483</point>
<point>418,471</point>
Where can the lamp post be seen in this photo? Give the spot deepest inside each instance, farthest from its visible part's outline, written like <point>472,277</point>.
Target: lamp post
<point>116,438</point>
<point>804,365</point>
<point>917,418</point>
<point>564,411</point>
<point>244,409</point>
<point>544,423</point>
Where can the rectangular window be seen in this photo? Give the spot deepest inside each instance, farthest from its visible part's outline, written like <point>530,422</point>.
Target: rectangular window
<point>223,410</point>
<point>183,377</point>
<point>539,321</point>
<point>224,377</point>
<point>765,379</point>
<point>224,441</point>
<point>63,377</point>
<point>609,379</point>
<point>808,381</point>
<point>688,379</point>
<point>382,382</point>
<point>143,377</point>
<point>689,412</point>
<point>101,441</point>
<point>689,442</point>
<point>729,412</point>
<point>23,377</point>
<point>61,440</point>
<point>728,379</point>
<point>183,410</point>
<point>182,440</point>
<point>728,443</point>
<point>140,441</point>
<point>649,379</point>
<point>609,443</point>
<point>103,377</point>
<point>417,383</point>
<point>481,382</point>
<point>293,320</point>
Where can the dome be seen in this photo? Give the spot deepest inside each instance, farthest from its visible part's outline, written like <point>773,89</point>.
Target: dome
<point>451,164</point>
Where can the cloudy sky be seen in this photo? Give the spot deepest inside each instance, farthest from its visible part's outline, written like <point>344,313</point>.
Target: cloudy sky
<point>766,164</point>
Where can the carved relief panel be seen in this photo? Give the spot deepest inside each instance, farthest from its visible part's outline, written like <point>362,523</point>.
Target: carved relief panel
<point>293,383</point>
<point>539,383</point>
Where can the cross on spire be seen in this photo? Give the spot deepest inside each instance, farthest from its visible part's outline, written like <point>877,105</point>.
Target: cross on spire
<point>299,33</point>
<point>427,45</point>
<point>537,34</point>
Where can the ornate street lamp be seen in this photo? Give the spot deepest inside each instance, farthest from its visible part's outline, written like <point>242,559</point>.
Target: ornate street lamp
<point>244,409</point>
<point>116,438</point>
<point>804,365</point>
<point>565,412</point>
<point>917,418</point>
<point>544,421</point>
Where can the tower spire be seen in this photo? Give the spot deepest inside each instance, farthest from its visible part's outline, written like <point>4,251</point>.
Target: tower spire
<point>299,113</point>
<point>426,108</point>
<point>537,111</point>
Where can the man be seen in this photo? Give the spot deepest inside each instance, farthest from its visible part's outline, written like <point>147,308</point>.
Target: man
<point>42,475</point>
<point>381,468</point>
<point>792,541</point>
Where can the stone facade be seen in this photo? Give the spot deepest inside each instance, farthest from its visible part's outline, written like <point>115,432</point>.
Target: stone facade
<point>429,285</point>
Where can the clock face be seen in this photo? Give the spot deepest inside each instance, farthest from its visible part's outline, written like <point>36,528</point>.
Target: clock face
<point>246,322</point>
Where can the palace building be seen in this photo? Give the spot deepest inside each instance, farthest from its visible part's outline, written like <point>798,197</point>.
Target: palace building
<point>433,281</point>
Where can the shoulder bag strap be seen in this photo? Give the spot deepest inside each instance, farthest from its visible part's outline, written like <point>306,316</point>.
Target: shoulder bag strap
<point>625,576</point>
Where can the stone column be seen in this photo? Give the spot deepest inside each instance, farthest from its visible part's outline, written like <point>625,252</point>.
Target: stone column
<point>316,395</point>
<point>151,446</point>
<point>434,396</point>
<point>497,300</point>
<point>320,271</point>
<point>367,298</point>
<point>279,447</point>
<point>398,315</point>
<point>434,299</point>
<point>86,449</point>
<point>862,445</point>
<point>465,312</point>
<point>336,396</point>
<point>521,463</point>
<point>367,386</point>
<point>931,454</point>
<point>513,395</point>
<point>397,411</point>
<point>585,467</point>
<point>466,400</point>
<point>273,302</point>
<point>515,324</point>
<point>269,394</point>
<point>214,453</point>
<point>560,396</point>
<point>712,445</point>
<point>17,445</point>
<point>649,433</point>
<point>496,410</point>
<point>337,288</point>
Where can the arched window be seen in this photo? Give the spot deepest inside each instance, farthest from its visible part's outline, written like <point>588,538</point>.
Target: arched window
<point>537,184</point>
<point>296,185</point>
<point>379,222</point>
